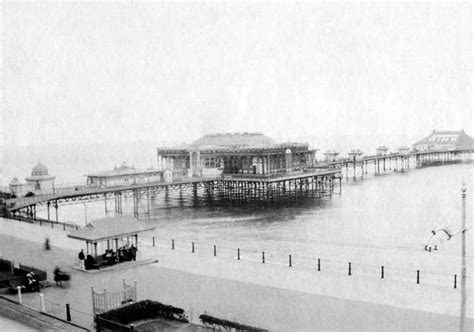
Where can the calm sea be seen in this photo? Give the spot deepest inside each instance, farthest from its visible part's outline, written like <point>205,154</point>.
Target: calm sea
<point>381,220</point>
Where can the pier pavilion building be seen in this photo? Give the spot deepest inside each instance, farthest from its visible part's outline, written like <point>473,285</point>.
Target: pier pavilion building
<point>123,175</point>
<point>235,153</point>
<point>445,140</point>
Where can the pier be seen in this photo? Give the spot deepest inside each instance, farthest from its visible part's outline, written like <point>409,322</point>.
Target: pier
<point>322,180</point>
<point>259,189</point>
<point>232,168</point>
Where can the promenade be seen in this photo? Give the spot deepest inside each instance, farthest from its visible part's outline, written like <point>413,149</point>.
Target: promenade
<point>251,293</point>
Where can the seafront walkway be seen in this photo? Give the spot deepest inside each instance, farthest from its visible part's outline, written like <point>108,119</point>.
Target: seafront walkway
<point>273,297</point>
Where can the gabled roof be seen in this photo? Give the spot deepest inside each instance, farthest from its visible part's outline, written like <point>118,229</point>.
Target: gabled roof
<point>110,228</point>
<point>459,138</point>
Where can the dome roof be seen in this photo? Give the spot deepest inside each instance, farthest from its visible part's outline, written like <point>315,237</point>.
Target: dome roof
<point>39,170</point>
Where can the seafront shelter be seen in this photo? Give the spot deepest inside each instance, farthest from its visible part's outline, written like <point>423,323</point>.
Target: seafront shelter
<point>235,153</point>
<point>110,232</point>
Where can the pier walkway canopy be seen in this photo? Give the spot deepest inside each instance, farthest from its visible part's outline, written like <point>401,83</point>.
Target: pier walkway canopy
<point>108,232</point>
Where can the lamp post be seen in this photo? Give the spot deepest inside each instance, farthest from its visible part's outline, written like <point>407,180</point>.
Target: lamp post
<point>463,268</point>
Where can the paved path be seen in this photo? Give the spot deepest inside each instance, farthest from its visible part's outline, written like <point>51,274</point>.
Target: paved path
<point>273,297</point>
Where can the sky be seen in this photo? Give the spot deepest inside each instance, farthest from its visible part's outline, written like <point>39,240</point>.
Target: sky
<point>88,72</point>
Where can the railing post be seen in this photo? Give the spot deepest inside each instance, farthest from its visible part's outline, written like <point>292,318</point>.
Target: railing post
<point>350,268</point>
<point>172,244</point>
<point>19,294</point>
<point>319,264</point>
<point>289,260</point>
<point>455,281</point>
<point>42,302</point>
<point>382,271</point>
<point>68,312</point>
<point>64,226</point>
<point>192,247</point>
<point>153,241</point>
<point>263,257</point>
<point>215,250</point>
<point>417,276</point>
<point>238,254</point>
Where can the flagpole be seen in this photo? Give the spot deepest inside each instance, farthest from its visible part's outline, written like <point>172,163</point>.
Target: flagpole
<point>463,268</point>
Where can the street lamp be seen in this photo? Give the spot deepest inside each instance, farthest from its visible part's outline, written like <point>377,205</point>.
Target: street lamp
<point>463,254</point>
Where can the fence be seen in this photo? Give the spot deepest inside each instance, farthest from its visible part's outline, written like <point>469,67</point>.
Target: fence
<point>309,263</point>
<point>65,312</point>
<point>105,301</point>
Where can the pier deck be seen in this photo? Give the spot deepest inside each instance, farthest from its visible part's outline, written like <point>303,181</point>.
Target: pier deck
<point>234,187</point>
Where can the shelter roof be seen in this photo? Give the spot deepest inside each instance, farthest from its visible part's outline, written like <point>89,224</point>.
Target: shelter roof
<point>110,228</point>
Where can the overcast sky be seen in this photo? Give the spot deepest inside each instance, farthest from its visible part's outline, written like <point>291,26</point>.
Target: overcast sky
<point>92,72</point>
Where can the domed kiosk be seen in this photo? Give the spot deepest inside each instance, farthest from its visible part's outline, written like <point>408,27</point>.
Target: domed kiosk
<point>39,182</point>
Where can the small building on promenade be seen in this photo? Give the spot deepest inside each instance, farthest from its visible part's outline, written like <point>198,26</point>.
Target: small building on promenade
<point>234,153</point>
<point>122,176</point>
<point>445,140</point>
<point>39,182</point>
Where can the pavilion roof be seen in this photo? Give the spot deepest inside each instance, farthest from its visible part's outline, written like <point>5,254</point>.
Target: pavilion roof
<point>459,138</point>
<point>110,228</point>
<point>233,140</point>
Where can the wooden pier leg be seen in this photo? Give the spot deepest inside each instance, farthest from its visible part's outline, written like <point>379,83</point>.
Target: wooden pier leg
<point>56,207</point>
<point>48,204</point>
<point>354,167</point>
<point>120,203</point>
<point>148,202</point>
<point>105,204</point>
<point>135,203</point>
